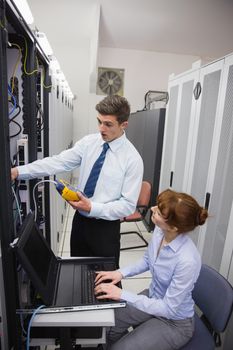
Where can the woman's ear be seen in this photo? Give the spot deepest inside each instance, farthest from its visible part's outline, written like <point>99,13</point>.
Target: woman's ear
<point>173,229</point>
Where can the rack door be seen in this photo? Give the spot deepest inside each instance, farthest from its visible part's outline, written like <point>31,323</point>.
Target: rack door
<point>207,109</point>
<point>178,130</point>
<point>215,240</point>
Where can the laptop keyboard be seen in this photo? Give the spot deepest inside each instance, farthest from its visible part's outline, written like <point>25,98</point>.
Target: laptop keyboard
<point>88,282</point>
<point>88,278</point>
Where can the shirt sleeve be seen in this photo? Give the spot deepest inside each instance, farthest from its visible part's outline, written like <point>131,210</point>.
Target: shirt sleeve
<point>127,202</point>
<point>182,284</point>
<point>135,269</point>
<point>65,161</point>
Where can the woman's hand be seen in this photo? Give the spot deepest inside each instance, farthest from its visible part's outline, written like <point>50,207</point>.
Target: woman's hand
<point>113,276</point>
<point>107,291</point>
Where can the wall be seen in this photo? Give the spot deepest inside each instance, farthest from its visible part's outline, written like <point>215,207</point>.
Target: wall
<point>144,71</point>
<point>77,63</point>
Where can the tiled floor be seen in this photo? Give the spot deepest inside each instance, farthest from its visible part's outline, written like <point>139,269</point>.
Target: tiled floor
<point>134,284</point>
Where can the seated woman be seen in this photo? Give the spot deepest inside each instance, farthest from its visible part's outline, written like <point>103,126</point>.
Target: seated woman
<point>162,316</point>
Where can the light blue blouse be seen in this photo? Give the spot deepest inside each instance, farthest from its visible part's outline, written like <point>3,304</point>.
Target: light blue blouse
<point>174,272</point>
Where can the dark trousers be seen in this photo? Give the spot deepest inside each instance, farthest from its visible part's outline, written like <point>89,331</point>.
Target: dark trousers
<point>95,237</point>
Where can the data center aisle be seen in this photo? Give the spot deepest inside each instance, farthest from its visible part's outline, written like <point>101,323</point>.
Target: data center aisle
<point>134,284</point>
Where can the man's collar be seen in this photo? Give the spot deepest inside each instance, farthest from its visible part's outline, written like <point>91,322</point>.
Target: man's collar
<point>115,144</point>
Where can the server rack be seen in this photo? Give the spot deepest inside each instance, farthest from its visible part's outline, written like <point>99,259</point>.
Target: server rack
<point>9,339</point>
<point>145,131</point>
<point>14,29</point>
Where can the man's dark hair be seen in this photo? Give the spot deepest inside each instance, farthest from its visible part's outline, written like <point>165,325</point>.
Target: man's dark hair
<point>114,105</point>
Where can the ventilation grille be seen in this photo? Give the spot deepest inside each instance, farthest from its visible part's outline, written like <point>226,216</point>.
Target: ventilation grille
<point>110,81</point>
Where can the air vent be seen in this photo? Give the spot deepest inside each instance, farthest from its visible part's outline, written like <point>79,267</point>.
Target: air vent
<point>110,81</point>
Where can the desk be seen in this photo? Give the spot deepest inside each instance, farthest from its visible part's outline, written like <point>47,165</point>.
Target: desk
<point>66,320</point>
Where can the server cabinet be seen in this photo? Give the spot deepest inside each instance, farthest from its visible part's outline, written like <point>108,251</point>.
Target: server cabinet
<point>8,291</point>
<point>145,131</point>
<point>178,130</point>
<point>207,116</point>
<point>209,157</point>
<point>60,138</point>
<point>218,235</point>
<point>24,130</point>
<point>218,239</point>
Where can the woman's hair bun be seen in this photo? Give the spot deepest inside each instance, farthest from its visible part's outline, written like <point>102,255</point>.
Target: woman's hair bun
<point>203,215</point>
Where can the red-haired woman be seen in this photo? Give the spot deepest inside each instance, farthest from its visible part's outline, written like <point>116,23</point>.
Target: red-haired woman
<point>162,316</point>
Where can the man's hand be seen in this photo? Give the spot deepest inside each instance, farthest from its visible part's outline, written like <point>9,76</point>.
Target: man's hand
<point>84,203</point>
<point>14,173</point>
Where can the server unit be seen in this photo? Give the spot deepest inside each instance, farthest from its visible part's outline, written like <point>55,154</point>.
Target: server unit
<point>198,155</point>
<point>30,108</point>
<point>145,131</point>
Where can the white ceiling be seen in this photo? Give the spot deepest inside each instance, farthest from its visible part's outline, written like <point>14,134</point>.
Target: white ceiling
<point>195,27</point>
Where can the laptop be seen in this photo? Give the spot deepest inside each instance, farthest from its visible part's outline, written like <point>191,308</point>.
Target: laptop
<point>64,285</point>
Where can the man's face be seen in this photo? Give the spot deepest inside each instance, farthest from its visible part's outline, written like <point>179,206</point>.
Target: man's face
<point>109,127</point>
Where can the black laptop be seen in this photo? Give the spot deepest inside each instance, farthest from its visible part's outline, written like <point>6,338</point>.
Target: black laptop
<point>63,284</point>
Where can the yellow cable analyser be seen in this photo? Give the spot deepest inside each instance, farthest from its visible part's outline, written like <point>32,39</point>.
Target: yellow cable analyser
<point>67,192</point>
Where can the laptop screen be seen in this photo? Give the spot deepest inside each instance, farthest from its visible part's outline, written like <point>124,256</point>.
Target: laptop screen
<point>37,258</point>
<point>60,283</point>
<point>32,250</point>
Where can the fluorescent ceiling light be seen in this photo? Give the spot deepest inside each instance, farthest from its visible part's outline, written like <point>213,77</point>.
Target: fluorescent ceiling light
<point>25,11</point>
<point>44,43</point>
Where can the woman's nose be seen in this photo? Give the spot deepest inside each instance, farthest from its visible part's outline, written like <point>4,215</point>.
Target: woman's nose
<point>153,209</point>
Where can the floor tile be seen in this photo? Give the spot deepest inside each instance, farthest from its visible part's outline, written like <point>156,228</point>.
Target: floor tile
<point>141,226</point>
<point>130,257</point>
<point>136,285</point>
<point>128,226</point>
<point>132,239</point>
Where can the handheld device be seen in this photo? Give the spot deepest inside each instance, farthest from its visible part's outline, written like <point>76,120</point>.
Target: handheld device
<point>67,191</point>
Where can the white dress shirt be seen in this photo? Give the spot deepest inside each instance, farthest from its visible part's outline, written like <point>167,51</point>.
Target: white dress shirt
<point>119,182</point>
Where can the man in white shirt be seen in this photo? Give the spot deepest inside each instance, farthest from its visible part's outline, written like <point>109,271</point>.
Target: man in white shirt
<point>96,223</point>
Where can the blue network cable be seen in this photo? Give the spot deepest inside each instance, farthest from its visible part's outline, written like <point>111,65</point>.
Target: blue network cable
<point>14,100</point>
<point>30,323</point>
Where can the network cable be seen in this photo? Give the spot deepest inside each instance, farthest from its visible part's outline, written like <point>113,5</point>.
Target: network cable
<point>13,98</point>
<point>17,205</point>
<point>30,324</point>
<point>33,194</point>
<point>67,192</point>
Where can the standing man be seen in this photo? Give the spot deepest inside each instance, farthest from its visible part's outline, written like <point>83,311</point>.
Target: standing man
<point>111,172</point>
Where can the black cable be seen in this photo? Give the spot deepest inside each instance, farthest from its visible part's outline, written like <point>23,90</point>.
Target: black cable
<point>12,120</point>
<point>20,129</point>
<point>16,115</point>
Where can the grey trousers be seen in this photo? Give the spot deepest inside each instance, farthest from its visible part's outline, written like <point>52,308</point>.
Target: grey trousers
<point>149,332</point>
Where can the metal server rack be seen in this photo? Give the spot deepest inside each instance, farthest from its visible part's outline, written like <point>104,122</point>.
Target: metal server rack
<point>10,336</point>
<point>12,23</point>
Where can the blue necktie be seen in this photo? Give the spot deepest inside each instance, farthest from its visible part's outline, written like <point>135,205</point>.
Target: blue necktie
<point>95,171</point>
